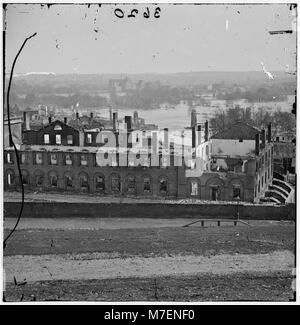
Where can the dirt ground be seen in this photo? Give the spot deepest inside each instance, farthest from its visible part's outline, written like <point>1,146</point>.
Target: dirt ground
<point>122,223</point>
<point>274,286</point>
<point>147,242</point>
<point>158,263</point>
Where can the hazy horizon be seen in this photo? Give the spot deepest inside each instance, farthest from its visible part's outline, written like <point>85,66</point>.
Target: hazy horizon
<point>140,73</point>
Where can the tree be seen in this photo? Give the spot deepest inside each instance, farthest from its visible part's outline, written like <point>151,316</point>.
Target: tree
<point>261,118</point>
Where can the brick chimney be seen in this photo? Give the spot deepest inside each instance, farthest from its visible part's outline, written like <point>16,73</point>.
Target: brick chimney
<point>91,114</point>
<point>263,138</point>
<point>128,123</point>
<point>206,131</point>
<point>172,153</point>
<point>154,142</point>
<point>77,115</point>
<point>194,137</point>
<point>65,120</point>
<point>115,121</point>
<point>257,139</point>
<point>269,132</point>
<point>166,138</point>
<point>49,119</point>
<point>193,118</point>
<point>135,118</point>
<point>129,130</point>
<point>199,134</point>
<point>26,120</point>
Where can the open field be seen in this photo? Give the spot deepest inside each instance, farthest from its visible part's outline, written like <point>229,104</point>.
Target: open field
<point>121,223</point>
<point>160,261</point>
<point>274,286</point>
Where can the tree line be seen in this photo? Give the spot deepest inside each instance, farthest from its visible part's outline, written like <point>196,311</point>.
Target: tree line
<point>281,121</point>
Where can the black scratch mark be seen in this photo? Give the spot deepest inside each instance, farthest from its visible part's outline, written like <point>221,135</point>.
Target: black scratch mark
<point>274,32</point>
<point>11,138</point>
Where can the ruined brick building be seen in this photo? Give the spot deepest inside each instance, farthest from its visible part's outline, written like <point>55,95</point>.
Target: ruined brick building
<point>236,164</point>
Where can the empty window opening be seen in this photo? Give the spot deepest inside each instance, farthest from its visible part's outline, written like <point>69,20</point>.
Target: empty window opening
<point>53,181</point>
<point>25,178</point>
<point>70,139</point>
<point>9,158</point>
<point>194,188</point>
<point>83,160</point>
<point>57,127</point>
<point>10,178</point>
<point>39,180</point>
<point>84,185</point>
<point>163,186</point>
<point>236,192</point>
<point>39,158</point>
<point>147,185</point>
<point>89,138</point>
<point>100,183</point>
<point>53,159</point>
<point>68,182</point>
<point>58,139</point>
<point>68,160</point>
<point>23,158</point>
<point>131,184</point>
<point>215,193</point>
<point>46,139</point>
<point>115,184</point>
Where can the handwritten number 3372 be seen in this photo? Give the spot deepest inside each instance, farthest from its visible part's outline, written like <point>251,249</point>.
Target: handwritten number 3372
<point>120,13</point>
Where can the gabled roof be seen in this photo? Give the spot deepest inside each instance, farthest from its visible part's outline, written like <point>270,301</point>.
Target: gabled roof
<point>239,130</point>
<point>62,124</point>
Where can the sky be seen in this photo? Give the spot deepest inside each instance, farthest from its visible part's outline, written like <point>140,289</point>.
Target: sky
<point>185,38</point>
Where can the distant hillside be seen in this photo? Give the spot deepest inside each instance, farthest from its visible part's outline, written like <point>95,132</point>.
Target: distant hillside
<point>100,81</point>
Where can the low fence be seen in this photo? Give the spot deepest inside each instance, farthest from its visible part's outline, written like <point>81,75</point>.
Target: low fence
<point>149,210</point>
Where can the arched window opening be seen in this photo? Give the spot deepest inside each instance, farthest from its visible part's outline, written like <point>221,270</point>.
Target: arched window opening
<point>25,178</point>
<point>163,186</point>
<point>39,179</point>
<point>10,178</point>
<point>115,184</point>
<point>53,180</point>
<point>236,192</point>
<point>100,183</point>
<point>68,160</point>
<point>84,184</point>
<point>147,184</point>
<point>131,184</point>
<point>68,181</point>
<point>53,158</point>
<point>194,188</point>
<point>215,193</point>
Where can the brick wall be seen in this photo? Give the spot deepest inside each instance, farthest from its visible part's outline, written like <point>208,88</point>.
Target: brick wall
<point>149,210</point>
